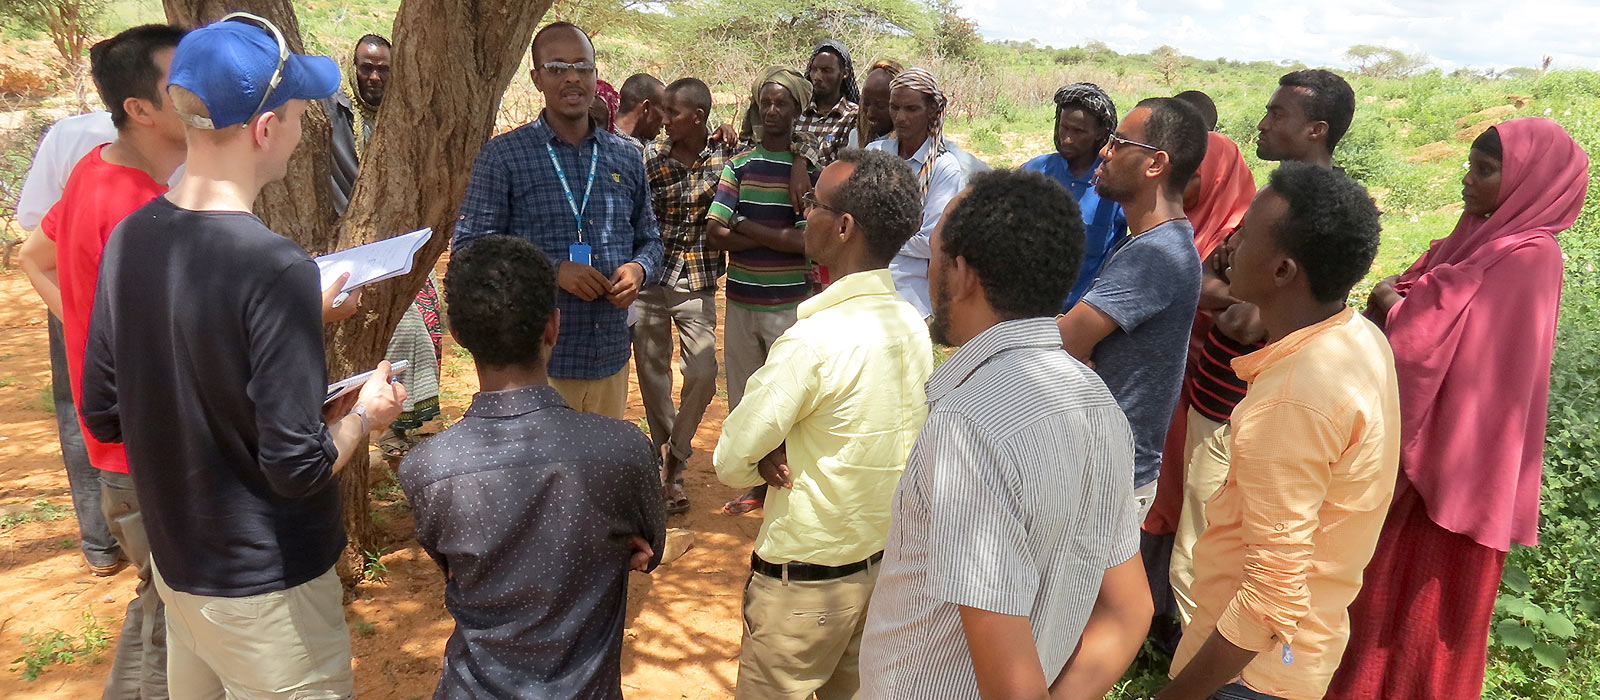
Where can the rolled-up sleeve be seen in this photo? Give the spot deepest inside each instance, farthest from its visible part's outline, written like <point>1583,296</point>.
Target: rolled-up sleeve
<point>486,208</point>
<point>776,397</point>
<point>288,383</point>
<point>1286,482</point>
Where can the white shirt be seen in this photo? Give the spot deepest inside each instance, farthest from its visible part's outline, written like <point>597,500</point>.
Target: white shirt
<point>67,142</point>
<point>910,265</point>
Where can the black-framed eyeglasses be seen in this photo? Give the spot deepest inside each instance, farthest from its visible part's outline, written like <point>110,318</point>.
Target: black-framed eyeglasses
<point>809,200</point>
<point>1116,140</point>
<point>560,69</point>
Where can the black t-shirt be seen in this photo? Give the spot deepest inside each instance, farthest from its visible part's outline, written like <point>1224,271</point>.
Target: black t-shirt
<point>205,357</point>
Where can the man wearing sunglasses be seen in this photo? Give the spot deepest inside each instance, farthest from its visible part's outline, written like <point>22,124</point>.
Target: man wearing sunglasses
<point>827,424</point>
<point>580,194</point>
<point>205,358</point>
<point>1133,324</point>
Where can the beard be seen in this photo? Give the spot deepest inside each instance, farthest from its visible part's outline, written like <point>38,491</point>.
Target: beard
<point>939,323</point>
<point>1109,188</point>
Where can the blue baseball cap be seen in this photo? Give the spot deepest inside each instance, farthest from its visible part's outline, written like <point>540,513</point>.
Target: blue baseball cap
<point>230,66</point>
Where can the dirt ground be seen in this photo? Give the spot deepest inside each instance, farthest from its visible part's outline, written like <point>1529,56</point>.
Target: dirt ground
<point>683,628</point>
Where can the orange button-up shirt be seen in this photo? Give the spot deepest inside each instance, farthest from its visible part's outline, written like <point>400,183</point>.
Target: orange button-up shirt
<point>1314,450</point>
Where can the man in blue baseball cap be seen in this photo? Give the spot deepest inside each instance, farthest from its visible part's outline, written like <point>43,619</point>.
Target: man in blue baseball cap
<point>205,358</point>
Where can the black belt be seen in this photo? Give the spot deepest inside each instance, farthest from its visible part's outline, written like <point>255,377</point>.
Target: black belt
<point>801,571</point>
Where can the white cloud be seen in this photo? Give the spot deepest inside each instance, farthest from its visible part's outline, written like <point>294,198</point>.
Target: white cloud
<point>1453,33</point>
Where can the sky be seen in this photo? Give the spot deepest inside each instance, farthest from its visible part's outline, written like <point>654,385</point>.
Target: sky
<point>1477,34</point>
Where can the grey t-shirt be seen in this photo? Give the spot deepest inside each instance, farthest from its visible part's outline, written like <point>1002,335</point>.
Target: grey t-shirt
<point>1015,507</point>
<point>1150,285</point>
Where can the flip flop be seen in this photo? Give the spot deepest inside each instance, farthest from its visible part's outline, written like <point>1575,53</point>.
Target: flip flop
<point>746,502</point>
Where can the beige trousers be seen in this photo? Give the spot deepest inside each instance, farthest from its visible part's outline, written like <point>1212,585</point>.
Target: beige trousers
<point>284,645</point>
<point>803,637</point>
<point>607,397</point>
<point>1207,450</point>
<point>746,337</point>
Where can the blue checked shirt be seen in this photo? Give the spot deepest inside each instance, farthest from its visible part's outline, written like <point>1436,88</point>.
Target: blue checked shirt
<point>515,191</point>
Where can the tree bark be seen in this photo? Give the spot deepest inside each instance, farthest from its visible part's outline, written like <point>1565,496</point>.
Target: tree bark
<point>451,63</point>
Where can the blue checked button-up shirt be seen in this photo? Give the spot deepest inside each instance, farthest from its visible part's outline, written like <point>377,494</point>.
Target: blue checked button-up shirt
<point>516,191</point>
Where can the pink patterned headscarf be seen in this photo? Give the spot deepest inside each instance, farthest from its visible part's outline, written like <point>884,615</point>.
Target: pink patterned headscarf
<point>613,100</point>
<point>1473,338</point>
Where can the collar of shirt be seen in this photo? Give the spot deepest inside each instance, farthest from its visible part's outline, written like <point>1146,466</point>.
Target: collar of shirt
<point>1252,365</point>
<point>541,129</point>
<point>514,402</point>
<point>839,109</point>
<point>663,148</point>
<point>1088,177</point>
<point>1040,332</point>
<point>892,145</point>
<point>846,288</point>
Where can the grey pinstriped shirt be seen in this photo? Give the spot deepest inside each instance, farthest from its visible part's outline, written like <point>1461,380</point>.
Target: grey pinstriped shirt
<point>1016,499</point>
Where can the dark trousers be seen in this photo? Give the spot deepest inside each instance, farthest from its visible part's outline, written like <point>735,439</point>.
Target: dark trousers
<point>94,536</point>
<point>139,671</point>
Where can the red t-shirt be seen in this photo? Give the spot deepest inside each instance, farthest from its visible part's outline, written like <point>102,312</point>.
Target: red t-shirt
<point>97,197</point>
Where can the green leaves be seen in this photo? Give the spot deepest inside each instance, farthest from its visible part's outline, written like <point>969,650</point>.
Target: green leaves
<point>1550,656</point>
<point>1512,634</point>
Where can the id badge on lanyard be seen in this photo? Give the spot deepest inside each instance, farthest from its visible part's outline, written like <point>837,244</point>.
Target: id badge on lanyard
<point>579,252</point>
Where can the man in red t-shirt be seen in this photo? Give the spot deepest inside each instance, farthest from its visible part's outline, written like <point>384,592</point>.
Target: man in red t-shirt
<point>114,179</point>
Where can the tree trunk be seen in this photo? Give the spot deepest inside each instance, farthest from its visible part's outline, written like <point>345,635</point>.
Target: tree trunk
<point>452,61</point>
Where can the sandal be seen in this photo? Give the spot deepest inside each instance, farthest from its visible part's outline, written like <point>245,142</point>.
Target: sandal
<point>677,502</point>
<point>749,501</point>
<point>395,444</point>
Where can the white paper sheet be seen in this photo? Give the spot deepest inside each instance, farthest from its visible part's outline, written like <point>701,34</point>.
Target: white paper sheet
<point>349,384</point>
<point>373,262</point>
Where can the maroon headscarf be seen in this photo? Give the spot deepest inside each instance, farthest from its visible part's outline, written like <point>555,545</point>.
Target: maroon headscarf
<point>613,99</point>
<point>1473,337</point>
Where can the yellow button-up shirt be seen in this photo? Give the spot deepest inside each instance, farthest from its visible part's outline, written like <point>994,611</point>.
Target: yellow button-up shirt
<point>1314,449</point>
<point>843,391</point>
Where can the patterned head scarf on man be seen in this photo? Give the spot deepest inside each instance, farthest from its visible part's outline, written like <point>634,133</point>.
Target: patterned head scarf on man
<point>799,88</point>
<point>922,81</point>
<point>604,92</point>
<point>1089,98</point>
<point>847,86</point>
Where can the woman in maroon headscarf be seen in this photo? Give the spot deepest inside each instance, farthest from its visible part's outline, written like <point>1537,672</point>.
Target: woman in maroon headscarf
<point>1473,326</point>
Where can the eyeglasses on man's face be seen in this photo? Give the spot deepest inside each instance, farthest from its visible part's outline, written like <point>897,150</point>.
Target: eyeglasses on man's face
<point>1117,140</point>
<point>561,69</point>
<point>809,201</point>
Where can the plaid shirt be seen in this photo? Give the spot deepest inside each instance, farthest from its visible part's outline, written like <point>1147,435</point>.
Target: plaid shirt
<point>831,129</point>
<point>682,194</point>
<point>515,191</point>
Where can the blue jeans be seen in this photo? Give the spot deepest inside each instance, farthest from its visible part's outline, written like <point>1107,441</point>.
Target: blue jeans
<point>94,536</point>
<point>1237,691</point>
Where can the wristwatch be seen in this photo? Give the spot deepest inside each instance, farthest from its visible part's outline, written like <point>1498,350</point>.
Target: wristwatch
<point>737,219</point>
<point>360,411</point>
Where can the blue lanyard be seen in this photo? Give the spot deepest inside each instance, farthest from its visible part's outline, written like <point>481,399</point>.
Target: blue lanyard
<point>577,211</point>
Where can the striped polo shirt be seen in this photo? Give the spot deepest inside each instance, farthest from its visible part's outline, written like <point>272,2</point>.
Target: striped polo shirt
<point>755,185</point>
<point>1016,499</point>
<point>1213,388</point>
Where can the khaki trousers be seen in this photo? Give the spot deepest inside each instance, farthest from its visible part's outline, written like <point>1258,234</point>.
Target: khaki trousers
<point>748,336</point>
<point>290,644</point>
<point>695,315</point>
<point>607,397</point>
<point>1207,450</point>
<point>803,637</point>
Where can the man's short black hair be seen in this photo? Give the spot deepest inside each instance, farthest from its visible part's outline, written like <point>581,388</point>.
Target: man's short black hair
<point>500,291</point>
<point>372,39</point>
<point>1202,103</point>
<point>638,88</point>
<point>124,66</point>
<point>1332,100</point>
<point>1331,228</point>
<point>693,91</point>
<point>1022,232</point>
<point>883,196</point>
<point>533,46</point>
<point>1177,128</point>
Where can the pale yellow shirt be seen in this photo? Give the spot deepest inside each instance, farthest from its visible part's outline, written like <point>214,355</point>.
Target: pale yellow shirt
<point>843,391</point>
<point>1313,453</point>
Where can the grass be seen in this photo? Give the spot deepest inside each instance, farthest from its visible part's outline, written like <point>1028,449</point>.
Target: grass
<point>44,649</point>
<point>375,570</point>
<point>42,510</point>
<point>364,628</point>
<point>45,400</point>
